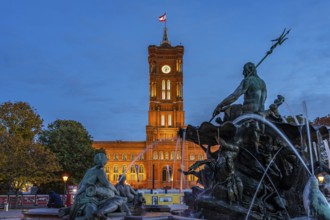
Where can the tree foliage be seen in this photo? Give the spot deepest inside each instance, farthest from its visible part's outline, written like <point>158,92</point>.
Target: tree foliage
<point>72,144</point>
<point>23,160</point>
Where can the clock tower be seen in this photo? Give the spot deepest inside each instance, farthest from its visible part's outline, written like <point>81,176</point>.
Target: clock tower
<point>166,114</point>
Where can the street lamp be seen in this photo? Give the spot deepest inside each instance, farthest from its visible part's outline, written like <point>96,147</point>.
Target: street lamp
<point>65,178</point>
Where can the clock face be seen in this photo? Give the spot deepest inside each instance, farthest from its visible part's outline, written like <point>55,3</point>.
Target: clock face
<point>166,69</point>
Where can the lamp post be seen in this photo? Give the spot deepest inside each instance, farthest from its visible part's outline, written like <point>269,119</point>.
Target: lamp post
<point>65,178</point>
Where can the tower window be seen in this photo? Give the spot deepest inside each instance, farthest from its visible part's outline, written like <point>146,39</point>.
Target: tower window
<point>169,118</point>
<point>162,120</point>
<point>168,90</point>
<point>163,89</point>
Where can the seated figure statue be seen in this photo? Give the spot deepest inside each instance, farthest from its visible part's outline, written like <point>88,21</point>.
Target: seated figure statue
<point>96,196</point>
<point>125,190</point>
<point>255,93</point>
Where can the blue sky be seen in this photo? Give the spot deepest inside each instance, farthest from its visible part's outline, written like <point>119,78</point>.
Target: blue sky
<point>87,60</point>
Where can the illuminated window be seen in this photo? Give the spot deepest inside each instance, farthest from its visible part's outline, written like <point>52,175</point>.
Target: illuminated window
<point>166,174</point>
<point>153,89</point>
<point>192,157</point>
<point>142,157</point>
<point>163,89</point>
<point>200,157</point>
<point>124,157</point>
<point>115,176</point>
<point>132,169</point>
<point>115,157</point>
<point>106,169</point>
<point>155,155</point>
<point>161,155</point>
<point>172,155</point>
<point>169,120</point>
<point>168,89</point>
<point>141,169</point>
<point>115,169</point>
<point>162,120</point>
<point>167,156</point>
<point>123,168</point>
<point>132,156</point>
<point>178,155</point>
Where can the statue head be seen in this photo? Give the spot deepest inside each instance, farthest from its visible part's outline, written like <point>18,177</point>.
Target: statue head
<point>249,69</point>
<point>100,159</point>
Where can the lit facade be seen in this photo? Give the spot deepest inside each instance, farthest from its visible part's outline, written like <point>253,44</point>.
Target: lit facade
<point>154,163</point>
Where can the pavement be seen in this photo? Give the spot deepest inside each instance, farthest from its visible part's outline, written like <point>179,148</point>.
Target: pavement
<point>12,214</point>
<point>16,214</point>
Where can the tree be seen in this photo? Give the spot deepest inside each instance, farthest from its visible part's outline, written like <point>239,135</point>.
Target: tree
<point>72,144</point>
<point>23,160</point>
<point>325,121</point>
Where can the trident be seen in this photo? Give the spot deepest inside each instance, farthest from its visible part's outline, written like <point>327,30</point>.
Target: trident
<point>278,41</point>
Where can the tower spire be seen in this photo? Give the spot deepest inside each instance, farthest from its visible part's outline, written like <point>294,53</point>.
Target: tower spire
<point>165,42</point>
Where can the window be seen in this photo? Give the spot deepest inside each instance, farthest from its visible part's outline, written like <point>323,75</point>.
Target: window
<point>142,157</point>
<point>124,157</point>
<point>169,120</point>
<point>192,157</point>
<point>166,173</point>
<point>200,157</point>
<point>123,168</point>
<point>115,157</point>
<point>161,155</point>
<point>163,89</point>
<point>172,155</point>
<point>115,176</point>
<point>141,169</point>
<point>191,177</point>
<point>167,156</point>
<point>115,169</point>
<point>168,90</point>
<point>162,120</point>
<point>178,155</point>
<point>132,156</point>
<point>106,169</point>
<point>132,169</point>
<point>155,155</point>
<point>153,89</point>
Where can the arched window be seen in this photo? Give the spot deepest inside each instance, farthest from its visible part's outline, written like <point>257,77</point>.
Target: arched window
<point>172,155</point>
<point>124,157</point>
<point>200,157</point>
<point>141,172</point>
<point>168,90</point>
<point>192,157</point>
<point>132,156</point>
<point>166,173</point>
<point>141,157</point>
<point>167,156</point>
<point>106,169</point>
<point>178,155</point>
<point>123,168</point>
<point>162,120</point>
<point>163,89</point>
<point>155,155</point>
<point>115,157</point>
<point>161,155</point>
<point>132,169</point>
<point>169,120</point>
<point>115,169</point>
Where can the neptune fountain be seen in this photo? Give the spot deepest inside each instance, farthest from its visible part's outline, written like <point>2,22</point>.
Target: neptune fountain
<point>259,165</point>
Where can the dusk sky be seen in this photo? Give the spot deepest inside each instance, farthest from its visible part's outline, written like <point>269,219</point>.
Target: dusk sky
<point>88,60</point>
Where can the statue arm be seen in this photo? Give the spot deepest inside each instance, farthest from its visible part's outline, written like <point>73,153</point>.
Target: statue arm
<point>241,89</point>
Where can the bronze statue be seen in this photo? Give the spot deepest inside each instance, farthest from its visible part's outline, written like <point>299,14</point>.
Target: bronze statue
<point>126,190</point>
<point>96,196</point>
<point>254,90</point>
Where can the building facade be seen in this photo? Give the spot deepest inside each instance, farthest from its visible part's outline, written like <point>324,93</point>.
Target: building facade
<point>155,163</point>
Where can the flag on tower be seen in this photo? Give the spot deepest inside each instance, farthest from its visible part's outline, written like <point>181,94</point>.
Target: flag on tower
<point>162,18</point>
